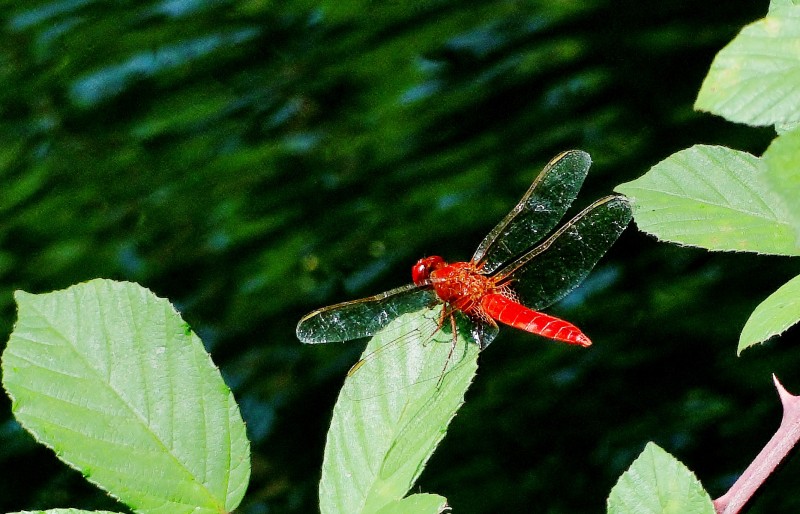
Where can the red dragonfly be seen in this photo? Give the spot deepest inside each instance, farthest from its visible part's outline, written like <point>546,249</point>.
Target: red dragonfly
<point>508,279</point>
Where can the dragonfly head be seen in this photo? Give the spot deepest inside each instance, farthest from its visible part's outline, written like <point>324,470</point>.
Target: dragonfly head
<point>421,271</point>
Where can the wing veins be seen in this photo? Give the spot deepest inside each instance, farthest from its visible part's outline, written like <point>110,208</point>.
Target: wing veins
<point>589,247</point>
<point>539,210</point>
<point>363,317</point>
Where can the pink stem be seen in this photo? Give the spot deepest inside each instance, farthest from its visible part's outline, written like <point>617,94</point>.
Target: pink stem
<point>768,459</point>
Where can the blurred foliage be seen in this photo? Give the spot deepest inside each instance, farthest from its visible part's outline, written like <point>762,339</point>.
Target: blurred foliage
<point>253,160</point>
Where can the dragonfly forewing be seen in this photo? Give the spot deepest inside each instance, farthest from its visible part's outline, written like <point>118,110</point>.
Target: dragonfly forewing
<point>539,210</point>
<point>555,267</point>
<point>363,318</point>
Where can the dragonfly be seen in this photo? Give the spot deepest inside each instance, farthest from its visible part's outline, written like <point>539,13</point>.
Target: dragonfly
<point>514,273</point>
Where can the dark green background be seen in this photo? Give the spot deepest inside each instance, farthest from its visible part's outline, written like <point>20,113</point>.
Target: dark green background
<point>251,161</point>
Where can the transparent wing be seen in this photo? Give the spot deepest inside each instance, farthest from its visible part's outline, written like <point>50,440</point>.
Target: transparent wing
<point>362,318</point>
<point>539,210</point>
<point>554,268</point>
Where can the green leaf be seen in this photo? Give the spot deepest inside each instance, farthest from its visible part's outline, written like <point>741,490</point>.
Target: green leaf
<point>393,411</point>
<point>778,312</point>
<point>782,128</point>
<point>753,79</point>
<point>781,4</point>
<point>111,378</point>
<point>714,198</point>
<point>416,504</point>
<point>782,160</point>
<point>64,511</point>
<point>657,483</point>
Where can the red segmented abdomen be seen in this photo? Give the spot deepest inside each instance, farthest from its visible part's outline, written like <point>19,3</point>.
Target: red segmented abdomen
<point>509,312</point>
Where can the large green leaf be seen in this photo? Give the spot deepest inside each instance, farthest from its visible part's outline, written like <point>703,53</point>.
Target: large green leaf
<point>778,312</point>
<point>754,79</point>
<point>392,413</point>
<point>657,483</point>
<point>111,378</point>
<point>715,198</point>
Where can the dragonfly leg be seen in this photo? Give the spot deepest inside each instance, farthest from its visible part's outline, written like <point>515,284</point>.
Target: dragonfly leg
<point>453,344</point>
<point>442,315</point>
<point>448,311</point>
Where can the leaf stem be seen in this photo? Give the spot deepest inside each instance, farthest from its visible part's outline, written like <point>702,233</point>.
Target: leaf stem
<point>778,447</point>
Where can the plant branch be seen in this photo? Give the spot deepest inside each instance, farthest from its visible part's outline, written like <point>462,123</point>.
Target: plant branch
<point>767,460</point>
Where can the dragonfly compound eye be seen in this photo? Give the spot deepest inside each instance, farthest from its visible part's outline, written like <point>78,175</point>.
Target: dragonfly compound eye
<point>421,271</point>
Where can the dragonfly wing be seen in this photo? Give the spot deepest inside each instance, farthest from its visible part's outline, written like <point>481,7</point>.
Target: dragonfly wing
<point>362,318</point>
<point>540,209</point>
<point>483,333</point>
<point>554,268</point>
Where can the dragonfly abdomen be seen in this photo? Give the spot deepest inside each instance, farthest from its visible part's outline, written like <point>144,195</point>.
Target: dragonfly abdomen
<point>509,312</point>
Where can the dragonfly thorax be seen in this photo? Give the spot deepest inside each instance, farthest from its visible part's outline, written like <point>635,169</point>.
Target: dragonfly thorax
<point>460,285</point>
